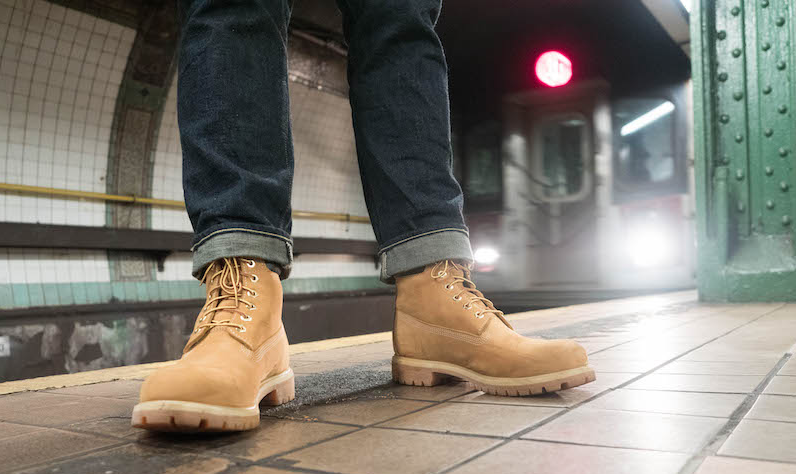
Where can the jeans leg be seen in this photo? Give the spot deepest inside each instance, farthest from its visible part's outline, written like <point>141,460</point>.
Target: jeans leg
<point>235,131</point>
<point>399,99</point>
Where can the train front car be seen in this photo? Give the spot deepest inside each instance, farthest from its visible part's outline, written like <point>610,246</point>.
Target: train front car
<point>582,188</point>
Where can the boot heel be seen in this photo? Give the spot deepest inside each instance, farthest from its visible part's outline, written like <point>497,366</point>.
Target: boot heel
<point>408,375</point>
<point>282,393</point>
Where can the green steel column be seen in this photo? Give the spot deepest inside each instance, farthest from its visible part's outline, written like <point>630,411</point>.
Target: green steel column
<point>744,129</point>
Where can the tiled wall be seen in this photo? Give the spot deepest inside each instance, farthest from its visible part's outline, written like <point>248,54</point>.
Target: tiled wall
<point>60,72</point>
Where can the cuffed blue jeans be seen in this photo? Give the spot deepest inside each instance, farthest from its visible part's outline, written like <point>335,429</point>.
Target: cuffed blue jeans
<point>237,145</point>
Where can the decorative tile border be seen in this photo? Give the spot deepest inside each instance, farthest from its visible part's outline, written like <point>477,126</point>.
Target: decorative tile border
<point>29,295</point>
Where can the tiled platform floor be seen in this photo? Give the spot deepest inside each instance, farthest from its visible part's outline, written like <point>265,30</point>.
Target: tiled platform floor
<point>681,387</point>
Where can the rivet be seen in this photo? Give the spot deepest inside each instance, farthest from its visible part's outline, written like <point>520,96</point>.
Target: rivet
<point>722,76</point>
<point>739,138</point>
<point>770,204</point>
<point>783,185</point>
<point>721,34</point>
<point>741,206</point>
<point>738,95</point>
<point>783,152</point>
<point>767,90</point>
<point>785,220</point>
<point>780,21</point>
<point>739,175</point>
<point>724,118</point>
<point>725,159</point>
<point>781,65</point>
<point>768,132</point>
<point>782,109</point>
<point>764,3</point>
<point>736,52</point>
<point>766,46</point>
<point>769,170</point>
<point>735,11</point>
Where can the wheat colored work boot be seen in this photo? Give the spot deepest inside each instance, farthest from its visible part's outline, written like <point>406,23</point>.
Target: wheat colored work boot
<point>236,357</point>
<point>444,327</point>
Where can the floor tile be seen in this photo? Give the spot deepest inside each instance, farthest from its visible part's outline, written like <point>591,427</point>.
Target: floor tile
<point>622,365</point>
<point>717,368</point>
<point>274,436</point>
<point>725,465</point>
<point>110,426</point>
<point>698,383</point>
<point>389,451</point>
<point>46,445</point>
<point>768,440</point>
<point>117,389</point>
<point>522,457</point>
<point>678,403</point>
<point>360,412</point>
<point>782,385</point>
<point>625,429</point>
<point>140,458</point>
<point>437,393</point>
<point>473,418</point>
<point>774,408</point>
<point>46,409</point>
<point>789,368</point>
<point>9,430</point>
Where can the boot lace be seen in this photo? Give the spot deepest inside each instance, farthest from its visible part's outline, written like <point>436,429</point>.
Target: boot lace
<point>440,271</point>
<point>227,294</point>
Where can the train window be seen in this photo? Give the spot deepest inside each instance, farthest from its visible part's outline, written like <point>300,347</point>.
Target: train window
<point>563,153</point>
<point>645,151</point>
<point>482,174</point>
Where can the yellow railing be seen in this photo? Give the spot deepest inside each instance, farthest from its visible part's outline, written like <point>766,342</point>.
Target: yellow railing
<point>131,199</point>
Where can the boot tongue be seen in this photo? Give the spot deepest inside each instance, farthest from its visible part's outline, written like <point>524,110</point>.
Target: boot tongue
<point>464,270</point>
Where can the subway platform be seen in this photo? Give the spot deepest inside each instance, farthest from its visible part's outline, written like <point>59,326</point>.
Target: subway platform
<point>681,386</point>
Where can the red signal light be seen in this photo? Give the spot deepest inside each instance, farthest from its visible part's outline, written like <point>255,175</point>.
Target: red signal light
<point>553,69</point>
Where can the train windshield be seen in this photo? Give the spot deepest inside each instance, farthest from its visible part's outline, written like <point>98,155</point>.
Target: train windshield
<point>645,152</point>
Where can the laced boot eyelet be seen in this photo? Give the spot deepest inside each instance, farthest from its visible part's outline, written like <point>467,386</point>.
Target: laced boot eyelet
<point>448,287</point>
<point>252,307</point>
<point>254,278</point>
<point>479,314</point>
<point>253,294</point>
<point>468,306</point>
<point>245,317</point>
<point>250,263</point>
<point>457,298</point>
<point>242,329</point>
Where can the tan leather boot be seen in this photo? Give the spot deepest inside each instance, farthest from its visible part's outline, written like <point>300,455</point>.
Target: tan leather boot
<point>236,357</point>
<point>445,327</point>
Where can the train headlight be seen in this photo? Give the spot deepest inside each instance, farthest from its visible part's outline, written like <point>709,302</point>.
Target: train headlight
<point>649,244</point>
<point>486,256</point>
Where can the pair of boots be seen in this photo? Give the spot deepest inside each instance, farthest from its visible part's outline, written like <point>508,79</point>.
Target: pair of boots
<point>237,355</point>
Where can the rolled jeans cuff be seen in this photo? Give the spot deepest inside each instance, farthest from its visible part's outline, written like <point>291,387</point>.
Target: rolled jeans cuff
<point>244,243</point>
<point>424,249</point>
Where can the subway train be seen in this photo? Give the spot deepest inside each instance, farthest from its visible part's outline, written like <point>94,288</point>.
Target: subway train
<point>598,196</point>
<point>582,188</point>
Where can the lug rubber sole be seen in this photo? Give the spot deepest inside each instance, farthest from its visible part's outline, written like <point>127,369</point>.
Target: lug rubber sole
<point>192,417</point>
<point>426,373</point>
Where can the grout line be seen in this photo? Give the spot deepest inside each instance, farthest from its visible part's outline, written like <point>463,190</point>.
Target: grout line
<point>598,395</point>
<point>737,416</point>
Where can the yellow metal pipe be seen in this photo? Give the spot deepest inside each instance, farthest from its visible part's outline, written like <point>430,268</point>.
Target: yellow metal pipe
<point>38,190</point>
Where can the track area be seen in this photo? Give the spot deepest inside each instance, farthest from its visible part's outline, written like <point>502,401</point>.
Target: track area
<point>681,387</point>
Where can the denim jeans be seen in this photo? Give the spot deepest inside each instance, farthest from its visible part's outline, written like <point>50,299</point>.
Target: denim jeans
<point>237,146</point>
